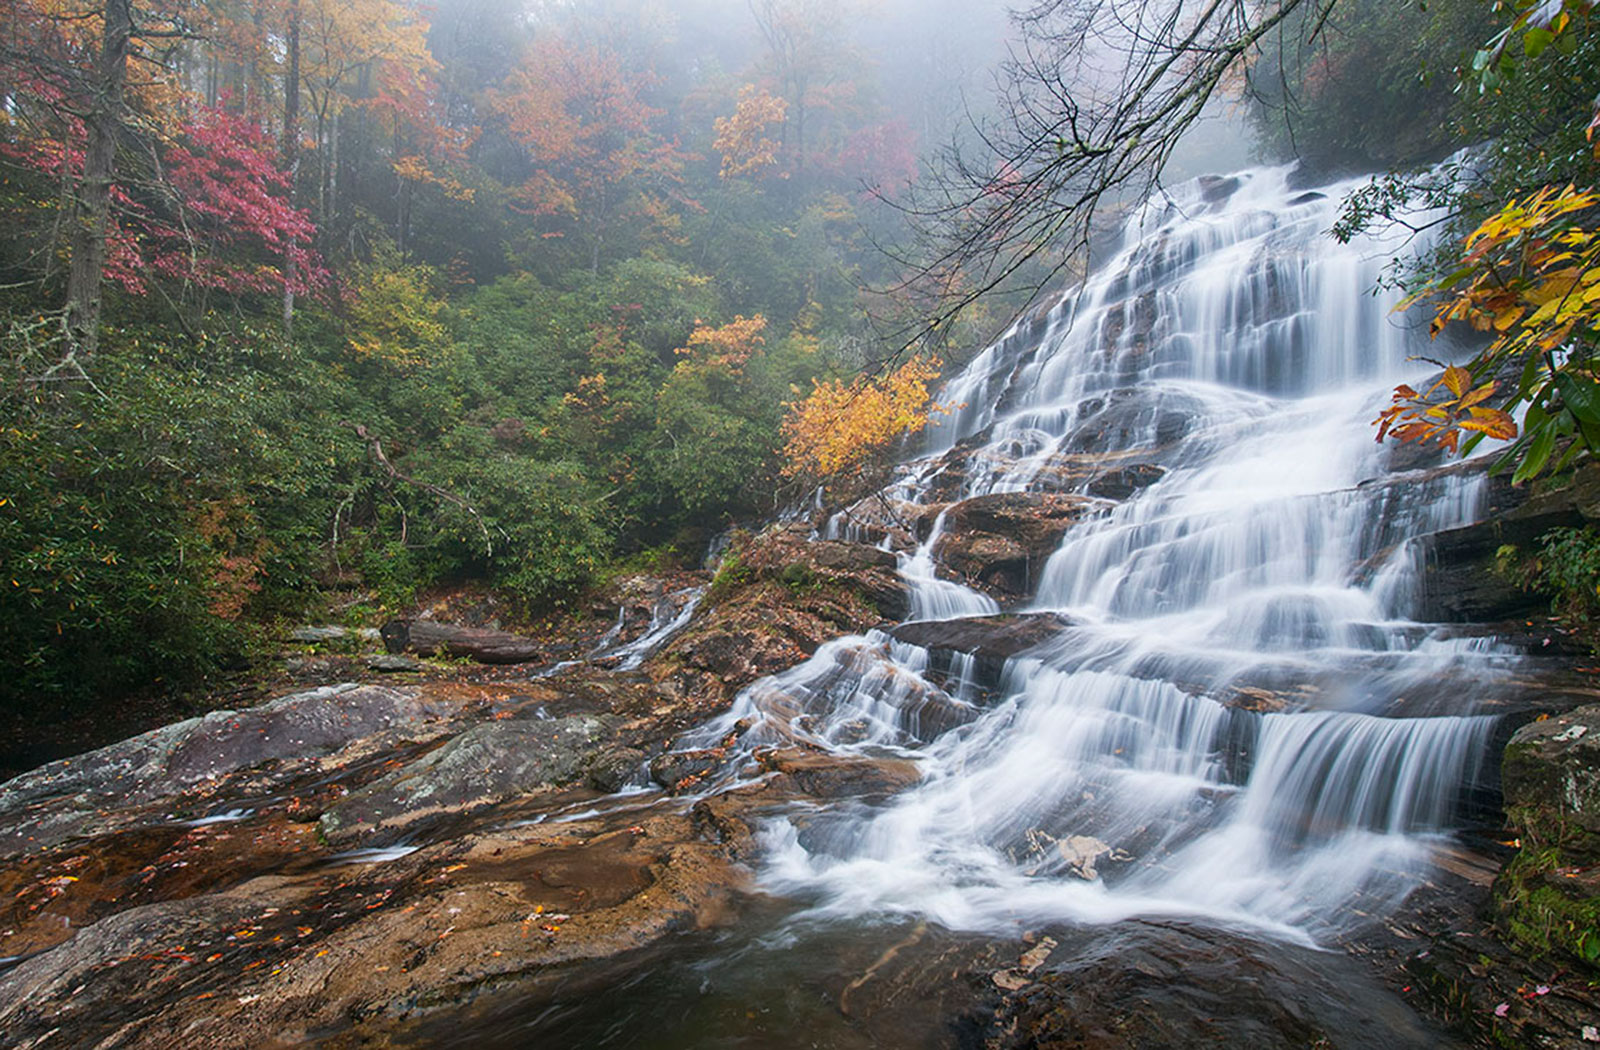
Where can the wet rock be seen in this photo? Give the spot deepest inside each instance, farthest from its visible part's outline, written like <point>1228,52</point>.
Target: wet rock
<point>996,637</point>
<point>775,602</point>
<point>302,959</point>
<point>989,641</point>
<point>1214,189</point>
<point>821,775</point>
<point>488,763</point>
<point>71,797</point>
<point>615,769</point>
<point>849,557</point>
<point>1461,582</point>
<point>53,976</point>
<point>482,644</point>
<point>680,771</point>
<point>1002,541</point>
<point>1123,482</point>
<point>394,663</point>
<point>1130,418</point>
<point>1167,986</point>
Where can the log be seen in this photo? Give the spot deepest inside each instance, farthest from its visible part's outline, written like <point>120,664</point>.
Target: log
<point>429,638</point>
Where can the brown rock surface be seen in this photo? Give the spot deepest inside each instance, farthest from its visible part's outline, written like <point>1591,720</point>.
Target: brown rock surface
<point>1000,542</point>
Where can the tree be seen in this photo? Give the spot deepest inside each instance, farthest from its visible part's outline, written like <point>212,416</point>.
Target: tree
<point>840,425</point>
<point>741,138</point>
<point>347,49</point>
<point>1093,103</point>
<point>1528,275</point>
<point>802,45</point>
<point>596,165</point>
<point>92,219</point>
<point>66,71</point>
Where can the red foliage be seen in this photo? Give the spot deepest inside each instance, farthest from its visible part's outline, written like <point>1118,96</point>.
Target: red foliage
<point>236,210</point>
<point>883,157</point>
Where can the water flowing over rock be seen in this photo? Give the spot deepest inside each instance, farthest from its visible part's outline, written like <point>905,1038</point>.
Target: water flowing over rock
<point>1250,709</point>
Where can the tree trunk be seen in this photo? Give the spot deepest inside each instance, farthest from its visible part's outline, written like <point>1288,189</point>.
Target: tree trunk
<point>291,155</point>
<point>92,211</point>
<point>429,637</point>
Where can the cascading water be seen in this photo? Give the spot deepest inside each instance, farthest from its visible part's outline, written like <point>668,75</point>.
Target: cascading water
<point>1231,355</point>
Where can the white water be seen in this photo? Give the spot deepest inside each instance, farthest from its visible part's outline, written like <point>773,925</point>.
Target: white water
<point>669,616</point>
<point>1238,349</point>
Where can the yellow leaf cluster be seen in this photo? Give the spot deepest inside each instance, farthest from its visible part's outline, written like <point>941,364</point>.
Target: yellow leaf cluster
<point>741,138</point>
<point>412,168</point>
<point>1530,276</point>
<point>395,318</point>
<point>842,424</point>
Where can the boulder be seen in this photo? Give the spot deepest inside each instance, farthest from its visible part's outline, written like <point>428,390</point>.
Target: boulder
<point>821,775</point>
<point>680,771</point>
<point>1550,777</point>
<point>76,795</point>
<point>1122,482</point>
<point>394,663</point>
<point>1001,541</point>
<point>1548,897</point>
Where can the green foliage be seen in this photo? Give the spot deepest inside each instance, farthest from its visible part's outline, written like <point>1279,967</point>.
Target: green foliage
<point>800,578</point>
<point>499,390</point>
<point>144,520</point>
<point>732,572</point>
<point>1545,917</point>
<point>1365,88</point>
<point>1567,568</point>
<point>549,533</point>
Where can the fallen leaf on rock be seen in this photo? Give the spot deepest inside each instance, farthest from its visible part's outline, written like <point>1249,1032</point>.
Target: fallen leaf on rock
<point>1034,957</point>
<point>1010,980</point>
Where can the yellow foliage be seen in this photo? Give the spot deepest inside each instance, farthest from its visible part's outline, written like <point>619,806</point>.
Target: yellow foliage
<point>395,318</point>
<point>1530,277</point>
<point>412,168</point>
<point>741,138</point>
<point>841,424</point>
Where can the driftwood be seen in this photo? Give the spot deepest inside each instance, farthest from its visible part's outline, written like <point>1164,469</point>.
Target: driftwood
<point>429,638</point>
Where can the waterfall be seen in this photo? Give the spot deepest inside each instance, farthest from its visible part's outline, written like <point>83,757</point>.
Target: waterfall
<point>1235,353</point>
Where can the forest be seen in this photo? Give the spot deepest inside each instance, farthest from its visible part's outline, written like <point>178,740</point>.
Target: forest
<point>312,305</point>
<point>316,300</point>
<point>793,523</point>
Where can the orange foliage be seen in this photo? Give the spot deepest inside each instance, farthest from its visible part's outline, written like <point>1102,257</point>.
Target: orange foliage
<point>580,113</point>
<point>840,425</point>
<point>1433,417</point>
<point>727,347</point>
